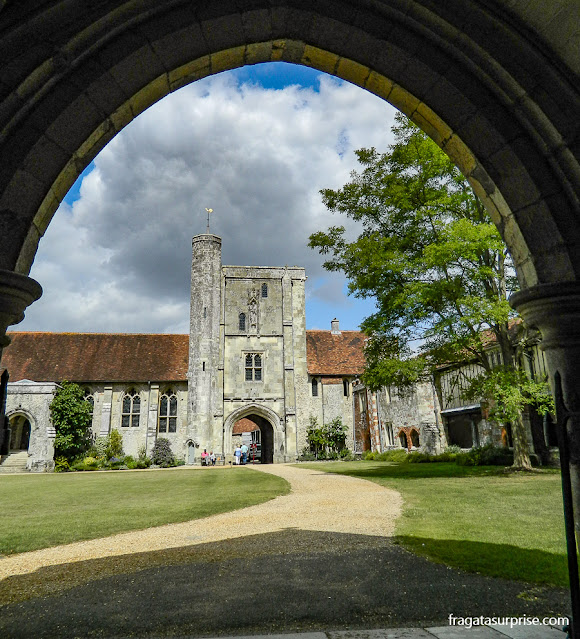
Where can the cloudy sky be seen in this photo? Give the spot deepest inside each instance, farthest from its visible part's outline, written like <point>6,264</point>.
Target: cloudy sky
<point>256,145</point>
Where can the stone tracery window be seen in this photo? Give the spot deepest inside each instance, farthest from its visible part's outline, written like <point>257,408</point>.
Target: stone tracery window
<point>168,412</point>
<point>264,290</point>
<point>242,322</point>
<point>131,409</point>
<point>253,367</point>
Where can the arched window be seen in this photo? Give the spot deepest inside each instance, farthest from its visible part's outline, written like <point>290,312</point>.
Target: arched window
<point>264,290</point>
<point>345,387</point>
<point>168,412</point>
<point>253,367</point>
<point>242,322</point>
<point>314,387</point>
<point>403,439</point>
<point>131,409</point>
<point>415,439</point>
<point>90,399</point>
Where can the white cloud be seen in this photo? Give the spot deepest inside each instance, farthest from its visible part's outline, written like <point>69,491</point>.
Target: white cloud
<point>119,258</point>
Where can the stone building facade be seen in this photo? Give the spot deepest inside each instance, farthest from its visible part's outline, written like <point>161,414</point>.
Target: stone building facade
<point>248,359</point>
<point>247,366</point>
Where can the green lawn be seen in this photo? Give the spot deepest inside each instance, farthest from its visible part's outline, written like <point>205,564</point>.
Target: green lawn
<point>476,518</point>
<point>47,510</point>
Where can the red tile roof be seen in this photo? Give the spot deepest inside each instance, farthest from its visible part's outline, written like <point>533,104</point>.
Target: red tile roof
<point>335,354</point>
<point>244,425</point>
<point>132,357</point>
<point>96,357</point>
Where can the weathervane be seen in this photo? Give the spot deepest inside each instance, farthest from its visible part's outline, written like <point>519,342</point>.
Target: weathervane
<point>208,212</point>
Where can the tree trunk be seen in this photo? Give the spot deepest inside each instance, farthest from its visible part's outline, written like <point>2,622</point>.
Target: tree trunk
<point>521,445</point>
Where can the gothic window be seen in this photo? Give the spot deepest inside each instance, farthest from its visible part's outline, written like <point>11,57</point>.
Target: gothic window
<point>168,412</point>
<point>131,409</point>
<point>314,387</point>
<point>415,439</point>
<point>264,290</point>
<point>345,387</point>
<point>90,398</point>
<point>242,321</point>
<point>253,367</point>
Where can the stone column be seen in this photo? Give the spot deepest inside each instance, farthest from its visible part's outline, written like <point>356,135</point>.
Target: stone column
<point>554,309</point>
<point>16,293</point>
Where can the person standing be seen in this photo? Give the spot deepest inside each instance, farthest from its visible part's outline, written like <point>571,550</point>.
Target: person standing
<point>244,450</point>
<point>237,454</point>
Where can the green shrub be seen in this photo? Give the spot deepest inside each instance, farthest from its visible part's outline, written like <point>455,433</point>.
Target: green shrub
<point>90,461</point>
<point>143,463</point>
<point>419,458</point>
<point>114,463</point>
<point>488,455</point>
<point>99,448</point>
<point>162,455</point>
<point>453,449</point>
<point>445,456</point>
<point>115,444</point>
<point>142,452</point>
<point>61,465</point>
<point>393,455</point>
<point>306,455</point>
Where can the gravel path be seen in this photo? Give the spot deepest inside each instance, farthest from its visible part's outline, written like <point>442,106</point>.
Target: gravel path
<point>318,502</point>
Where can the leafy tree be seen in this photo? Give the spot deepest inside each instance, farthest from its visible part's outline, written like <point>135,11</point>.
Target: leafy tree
<point>436,266</point>
<point>71,417</point>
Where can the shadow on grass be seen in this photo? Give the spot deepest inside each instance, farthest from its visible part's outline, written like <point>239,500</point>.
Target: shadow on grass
<point>287,581</point>
<point>493,560</point>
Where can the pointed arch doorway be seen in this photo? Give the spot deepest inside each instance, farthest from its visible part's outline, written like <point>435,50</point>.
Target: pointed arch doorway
<point>256,424</point>
<point>257,433</point>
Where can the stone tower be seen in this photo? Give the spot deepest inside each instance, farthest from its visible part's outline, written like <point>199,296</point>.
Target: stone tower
<point>205,386</point>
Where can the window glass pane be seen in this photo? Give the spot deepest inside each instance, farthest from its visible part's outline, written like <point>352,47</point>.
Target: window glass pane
<point>248,360</point>
<point>163,424</point>
<point>135,421</point>
<point>258,374</point>
<point>172,424</point>
<point>125,421</point>
<point>314,388</point>
<point>242,322</point>
<point>257,361</point>
<point>264,290</point>
<point>127,404</point>
<point>136,403</point>
<point>248,374</point>
<point>173,406</point>
<point>163,405</point>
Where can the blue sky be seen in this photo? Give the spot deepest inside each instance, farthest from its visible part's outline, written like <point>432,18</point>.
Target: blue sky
<point>256,145</point>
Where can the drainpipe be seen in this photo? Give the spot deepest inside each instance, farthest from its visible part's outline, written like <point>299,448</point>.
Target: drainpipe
<point>147,424</point>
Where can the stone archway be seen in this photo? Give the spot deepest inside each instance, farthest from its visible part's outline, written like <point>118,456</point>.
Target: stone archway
<point>20,428</point>
<point>273,446</point>
<point>496,88</point>
<point>495,84</point>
